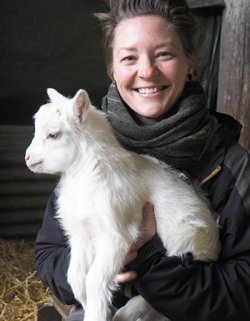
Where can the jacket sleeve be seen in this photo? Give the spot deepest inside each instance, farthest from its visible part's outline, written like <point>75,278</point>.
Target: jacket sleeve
<point>182,289</point>
<point>52,255</point>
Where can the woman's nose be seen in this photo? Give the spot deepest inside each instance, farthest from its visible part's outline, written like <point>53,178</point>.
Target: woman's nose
<point>147,70</point>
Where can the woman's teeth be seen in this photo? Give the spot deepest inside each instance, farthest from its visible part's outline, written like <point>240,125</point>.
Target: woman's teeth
<point>146,91</point>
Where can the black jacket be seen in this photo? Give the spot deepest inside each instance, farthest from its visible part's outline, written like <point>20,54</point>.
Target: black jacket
<point>182,289</point>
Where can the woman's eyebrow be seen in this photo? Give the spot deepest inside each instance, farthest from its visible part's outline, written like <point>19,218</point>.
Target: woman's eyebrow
<point>127,49</point>
<point>161,45</point>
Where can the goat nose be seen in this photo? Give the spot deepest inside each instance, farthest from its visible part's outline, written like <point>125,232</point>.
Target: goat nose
<point>27,157</point>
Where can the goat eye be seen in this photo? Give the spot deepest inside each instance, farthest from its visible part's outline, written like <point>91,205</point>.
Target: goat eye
<point>53,135</point>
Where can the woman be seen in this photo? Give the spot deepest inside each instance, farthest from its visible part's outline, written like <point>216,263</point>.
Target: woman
<point>156,108</point>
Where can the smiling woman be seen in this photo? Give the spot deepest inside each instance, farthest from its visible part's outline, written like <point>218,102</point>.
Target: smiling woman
<point>150,71</point>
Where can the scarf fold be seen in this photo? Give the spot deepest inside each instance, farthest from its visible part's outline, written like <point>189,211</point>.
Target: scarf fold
<point>180,139</point>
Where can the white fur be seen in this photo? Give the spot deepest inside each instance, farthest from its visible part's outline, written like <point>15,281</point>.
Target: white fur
<point>101,195</point>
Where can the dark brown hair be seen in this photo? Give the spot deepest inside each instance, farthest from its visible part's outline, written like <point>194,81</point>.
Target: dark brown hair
<point>176,13</point>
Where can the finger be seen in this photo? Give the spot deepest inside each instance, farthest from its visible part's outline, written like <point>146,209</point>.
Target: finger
<point>126,277</point>
<point>148,225</point>
<point>149,217</point>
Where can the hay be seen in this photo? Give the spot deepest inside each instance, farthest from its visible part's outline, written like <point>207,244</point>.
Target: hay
<point>21,292</point>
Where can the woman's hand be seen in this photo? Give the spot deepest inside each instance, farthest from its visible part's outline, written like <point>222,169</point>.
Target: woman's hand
<point>149,230</point>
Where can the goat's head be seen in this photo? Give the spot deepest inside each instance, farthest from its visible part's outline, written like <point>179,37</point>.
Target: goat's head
<point>57,125</point>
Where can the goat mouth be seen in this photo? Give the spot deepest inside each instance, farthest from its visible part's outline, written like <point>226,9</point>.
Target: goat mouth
<point>34,165</point>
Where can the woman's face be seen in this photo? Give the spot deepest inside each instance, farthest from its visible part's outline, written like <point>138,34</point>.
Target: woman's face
<point>149,66</point>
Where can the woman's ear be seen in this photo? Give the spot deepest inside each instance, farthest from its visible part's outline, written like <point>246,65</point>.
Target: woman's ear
<point>112,75</point>
<point>110,72</point>
<point>191,64</point>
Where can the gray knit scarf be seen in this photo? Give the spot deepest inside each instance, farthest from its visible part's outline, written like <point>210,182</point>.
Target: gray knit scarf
<point>180,139</point>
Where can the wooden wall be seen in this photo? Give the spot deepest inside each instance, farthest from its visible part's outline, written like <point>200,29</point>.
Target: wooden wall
<point>23,194</point>
<point>48,43</point>
<point>234,72</point>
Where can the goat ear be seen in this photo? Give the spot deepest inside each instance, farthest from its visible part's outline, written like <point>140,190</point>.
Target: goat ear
<point>81,103</point>
<point>54,95</point>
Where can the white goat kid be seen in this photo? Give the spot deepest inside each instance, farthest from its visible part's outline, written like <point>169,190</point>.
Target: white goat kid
<point>101,195</point>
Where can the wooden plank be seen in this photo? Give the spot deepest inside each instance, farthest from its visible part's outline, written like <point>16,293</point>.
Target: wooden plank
<point>26,188</point>
<point>20,173</point>
<point>234,74</point>
<point>23,194</point>
<point>14,141</point>
<point>17,217</point>
<point>17,202</point>
<point>19,231</point>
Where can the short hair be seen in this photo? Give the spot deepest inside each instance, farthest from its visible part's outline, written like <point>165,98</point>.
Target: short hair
<point>176,13</point>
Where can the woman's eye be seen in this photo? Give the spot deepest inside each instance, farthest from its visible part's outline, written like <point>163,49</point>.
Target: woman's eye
<point>129,58</point>
<point>164,54</point>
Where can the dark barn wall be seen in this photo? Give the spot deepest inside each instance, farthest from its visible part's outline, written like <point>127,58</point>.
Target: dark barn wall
<point>23,194</point>
<point>57,43</point>
<point>49,43</point>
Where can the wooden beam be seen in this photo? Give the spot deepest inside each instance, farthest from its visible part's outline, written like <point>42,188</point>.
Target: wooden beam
<point>234,72</point>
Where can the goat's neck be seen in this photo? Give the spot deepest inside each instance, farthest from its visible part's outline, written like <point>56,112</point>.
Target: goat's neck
<point>82,165</point>
<point>98,147</point>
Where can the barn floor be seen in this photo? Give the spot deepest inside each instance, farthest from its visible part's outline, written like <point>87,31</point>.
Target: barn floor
<point>22,295</point>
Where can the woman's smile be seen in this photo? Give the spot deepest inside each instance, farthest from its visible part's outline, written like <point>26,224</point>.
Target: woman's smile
<point>150,91</point>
